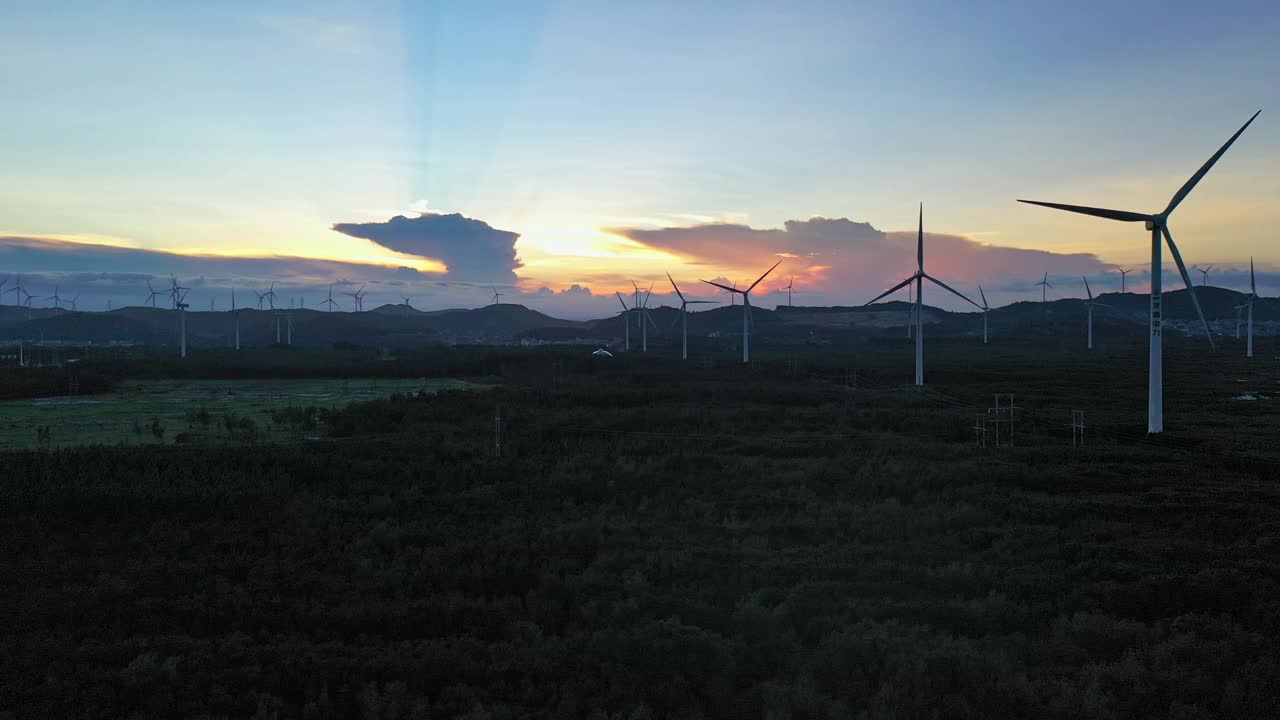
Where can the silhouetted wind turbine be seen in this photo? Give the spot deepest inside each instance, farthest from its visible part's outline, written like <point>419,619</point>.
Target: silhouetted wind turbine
<point>746,308</point>
<point>1204,273</point>
<point>1247,305</point>
<point>1158,224</point>
<point>985,310</point>
<point>1092,302</point>
<point>1123,272</point>
<point>1044,291</point>
<point>919,277</point>
<point>57,301</point>
<point>497,296</point>
<point>645,320</point>
<point>790,282</point>
<point>329,301</point>
<point>684,318</point>
<point>626,319</point>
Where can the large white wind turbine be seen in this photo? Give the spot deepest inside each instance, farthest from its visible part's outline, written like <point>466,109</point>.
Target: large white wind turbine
<point>684,316</point>
<point>1158,224</point>
<point>1092,302</point>
<point>746,307</point>
<point>919,277</point>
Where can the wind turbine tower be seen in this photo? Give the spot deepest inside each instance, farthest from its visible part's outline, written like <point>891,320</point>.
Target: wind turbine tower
<point>919,277</point>
<point>746,308</point>
<point>1158,224</point>
<point>684,316</point>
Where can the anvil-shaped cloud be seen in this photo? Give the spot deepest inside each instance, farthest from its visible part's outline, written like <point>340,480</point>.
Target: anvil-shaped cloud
<point>472,249</point>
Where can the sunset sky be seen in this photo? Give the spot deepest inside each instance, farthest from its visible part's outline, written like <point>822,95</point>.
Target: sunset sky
<point>589,143</point>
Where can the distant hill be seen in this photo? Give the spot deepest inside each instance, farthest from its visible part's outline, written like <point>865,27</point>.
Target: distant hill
<point>396,325</point>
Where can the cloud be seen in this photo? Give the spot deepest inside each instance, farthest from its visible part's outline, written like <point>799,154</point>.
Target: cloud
<point>471,249</point>
<point>837,260</point>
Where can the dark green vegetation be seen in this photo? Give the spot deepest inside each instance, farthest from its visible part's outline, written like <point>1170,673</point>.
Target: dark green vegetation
<point>665,541</point>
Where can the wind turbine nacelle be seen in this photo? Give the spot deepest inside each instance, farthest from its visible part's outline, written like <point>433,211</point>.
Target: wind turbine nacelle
<point>1151,225</point>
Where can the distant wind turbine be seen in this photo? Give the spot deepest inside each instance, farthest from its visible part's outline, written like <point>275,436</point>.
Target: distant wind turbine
<point>1044,291</point>
<point>919,277</point>
<point>645,320</point>
<point>1247,306</point>
<point>746,308</point>
<point>1123,272</point>
<point>1204,273</point>
<point>985,310</point>
<point>790,283</point>
<point>497,296</point>
<point>684,317</point>
<point>329,301</point>
<point>626,319</point>
<point>1158,224</point>
<point>57,301</point>
<point>1092,302</point>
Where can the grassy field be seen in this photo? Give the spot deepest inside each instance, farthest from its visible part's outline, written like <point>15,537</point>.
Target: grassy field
<point>125,415</point>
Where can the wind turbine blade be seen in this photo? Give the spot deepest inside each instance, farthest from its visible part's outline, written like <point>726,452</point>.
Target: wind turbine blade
<point>984,297</point>
<point>677,288</point>
<point>891,290</point>
<point>1121,215</point>
<point>1204,169</point>
<point>1182,268</point>
<point>953,291</point>
<point>1086,286</point>
<point>624,302</point>
<point>762,277</point>
<point>699,302</point>
<point>1253,289</point>
<point>722,287</point>
<point>649,317</point>
<point>920,243</point>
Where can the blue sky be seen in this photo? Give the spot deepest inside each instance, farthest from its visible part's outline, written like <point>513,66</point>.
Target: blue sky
<point>252,128</point>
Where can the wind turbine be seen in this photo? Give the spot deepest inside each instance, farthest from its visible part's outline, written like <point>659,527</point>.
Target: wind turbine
<point>790,282</point>
<point>1158,224</point>
<point>57,301</point>
<point>1044,291</point>
<point>1247,305</point>
<point>176,291</point>
<point>330,301</point>
<point>684,316</point>
<point>3,282</point>
<point>497,296</point>
<point>261,297</point>
<point>919,277</point>
<point>270,295</point>
<point>626,319</point>
<point>1092,302</point>
<point>746,307</point>
<point>1204,273</point>
<point>645,320</point>
<point>72,302</point>
<point>1123,272</point>
<point>357,298</point>
<point>985,310</point>
<point>406,301</point>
